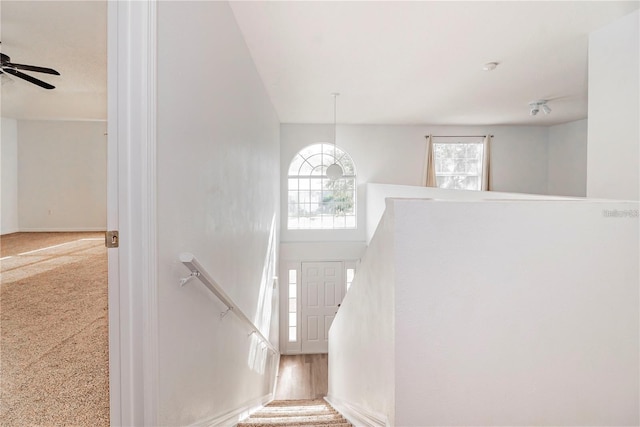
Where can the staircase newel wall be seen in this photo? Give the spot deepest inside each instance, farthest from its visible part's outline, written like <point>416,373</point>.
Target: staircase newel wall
<point>361,339</point>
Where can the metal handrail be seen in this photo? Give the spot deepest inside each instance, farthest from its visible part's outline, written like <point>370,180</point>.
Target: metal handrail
<point>197,271</point>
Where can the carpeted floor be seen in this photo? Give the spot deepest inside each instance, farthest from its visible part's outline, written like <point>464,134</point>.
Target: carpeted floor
<point>54,330</point>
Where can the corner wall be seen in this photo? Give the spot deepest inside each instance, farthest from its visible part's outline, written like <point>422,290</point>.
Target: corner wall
<point>218,197</point>
<point>613,157</point>
<point>362,358</point>
<point>567,165</point>
<point>9,179</point>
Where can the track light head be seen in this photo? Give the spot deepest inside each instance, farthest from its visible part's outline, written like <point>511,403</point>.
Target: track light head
<point>535,107</point>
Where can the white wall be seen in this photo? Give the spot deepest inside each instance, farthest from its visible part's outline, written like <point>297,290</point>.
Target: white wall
<point>395,155</point>
<point>362,339</point>
<point>567,165</point>
<point>613,159</point>
<point>62,175</point>
<point>537,326</point>
<point>218,198</point>
<point>9,170</point>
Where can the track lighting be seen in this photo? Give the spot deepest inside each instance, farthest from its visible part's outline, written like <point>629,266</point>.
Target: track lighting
<point>535,106</point>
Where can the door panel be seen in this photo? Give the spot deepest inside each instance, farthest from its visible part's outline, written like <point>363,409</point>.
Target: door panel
<point>322,289</point>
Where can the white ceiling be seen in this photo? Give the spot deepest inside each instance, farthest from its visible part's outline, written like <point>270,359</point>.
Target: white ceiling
<point>393,62</point>
<point>421,62</point>
<point>68,36</point>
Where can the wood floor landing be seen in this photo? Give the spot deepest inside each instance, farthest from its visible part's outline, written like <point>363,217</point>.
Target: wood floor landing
<point>303,376</point>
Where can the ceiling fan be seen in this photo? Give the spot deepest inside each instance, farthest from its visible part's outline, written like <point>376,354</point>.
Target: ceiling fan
<point>11,68</point>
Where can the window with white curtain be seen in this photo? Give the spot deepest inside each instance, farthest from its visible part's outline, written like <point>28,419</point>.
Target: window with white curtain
<point>458,165</point>
<point>316,201</point>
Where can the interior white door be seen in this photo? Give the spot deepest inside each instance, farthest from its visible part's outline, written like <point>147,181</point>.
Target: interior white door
<point>322,289</point>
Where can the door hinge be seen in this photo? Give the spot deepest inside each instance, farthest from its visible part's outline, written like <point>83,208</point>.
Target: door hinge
<point>111,239</point>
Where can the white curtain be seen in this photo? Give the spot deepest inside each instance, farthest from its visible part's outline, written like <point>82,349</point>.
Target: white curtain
<point>487,184</point>
<point>429,172</point>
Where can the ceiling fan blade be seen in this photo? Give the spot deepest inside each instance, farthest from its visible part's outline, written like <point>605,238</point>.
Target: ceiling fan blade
<point>33,68</point>
<point>28,78</point>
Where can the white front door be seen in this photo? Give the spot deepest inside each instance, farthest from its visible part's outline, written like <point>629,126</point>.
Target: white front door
<point>322,289</point>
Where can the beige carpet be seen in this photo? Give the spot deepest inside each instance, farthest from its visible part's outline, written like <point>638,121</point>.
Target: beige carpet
<point>310,413</point>
<point>54,340</point>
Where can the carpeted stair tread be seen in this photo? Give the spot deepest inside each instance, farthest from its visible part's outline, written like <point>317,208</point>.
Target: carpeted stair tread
<point>298,402</point>
<point>301,411</point>
<point>290,413</point>
<point>251,424</point>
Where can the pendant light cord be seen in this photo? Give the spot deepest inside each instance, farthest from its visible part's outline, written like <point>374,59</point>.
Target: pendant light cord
<point>334,171</point>
<point>335,97</point>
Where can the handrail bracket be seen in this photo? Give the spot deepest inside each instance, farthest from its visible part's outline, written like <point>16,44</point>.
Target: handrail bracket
<point>193,275</point>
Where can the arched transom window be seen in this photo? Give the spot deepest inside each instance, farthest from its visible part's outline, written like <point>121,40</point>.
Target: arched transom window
<point>315,200</point>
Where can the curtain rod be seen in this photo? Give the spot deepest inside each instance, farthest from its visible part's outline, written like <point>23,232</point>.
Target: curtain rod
<point>458,136</point>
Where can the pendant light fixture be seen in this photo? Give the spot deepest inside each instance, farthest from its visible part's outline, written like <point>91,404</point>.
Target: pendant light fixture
<point>334,171</point>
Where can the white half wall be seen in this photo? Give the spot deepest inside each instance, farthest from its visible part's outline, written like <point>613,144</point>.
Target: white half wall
<point>517,313</point>
<point>377,195</point>
<point>62,175</point>
<point>9,170</point>
<point>505,312</point>
<point>567,165</point>
<point>613,156</point>
<point>218,197</point>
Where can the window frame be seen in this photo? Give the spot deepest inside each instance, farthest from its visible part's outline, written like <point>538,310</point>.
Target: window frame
<point>480,165</point>
<point>313,181</point>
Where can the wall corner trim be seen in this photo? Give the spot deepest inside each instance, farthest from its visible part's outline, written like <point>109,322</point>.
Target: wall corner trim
<point>357,415</point>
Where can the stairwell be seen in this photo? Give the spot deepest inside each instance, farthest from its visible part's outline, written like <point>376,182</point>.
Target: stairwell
<point>301,385</point>
<point>308,413</point>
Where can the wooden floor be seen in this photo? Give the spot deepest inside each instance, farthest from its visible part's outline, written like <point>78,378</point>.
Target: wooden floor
<point>303,376</point>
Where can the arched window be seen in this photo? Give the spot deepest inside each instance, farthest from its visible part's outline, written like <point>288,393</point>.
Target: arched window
<point>314,200</point>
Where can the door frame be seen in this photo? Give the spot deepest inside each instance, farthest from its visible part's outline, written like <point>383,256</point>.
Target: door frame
<point>287,347</point>
<point>131,209</point>
<point>304,295</point>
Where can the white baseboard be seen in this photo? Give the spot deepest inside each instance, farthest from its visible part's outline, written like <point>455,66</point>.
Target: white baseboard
<point>232,418</point>
<point>357,415</point>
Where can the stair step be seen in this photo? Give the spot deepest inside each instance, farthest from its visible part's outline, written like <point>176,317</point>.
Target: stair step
<point>299,402</point>
<point>298,419</point>
<point>298,410</point>
<point>252,424</point>
<point>291,413</point>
